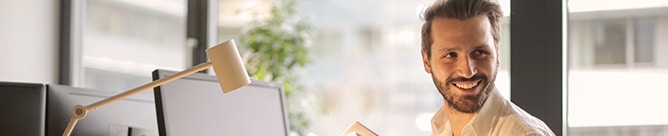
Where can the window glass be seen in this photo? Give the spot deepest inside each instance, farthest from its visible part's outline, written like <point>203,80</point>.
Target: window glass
<point>609,41</point>
<point>124,41</point>
<point>366,63</point>
<point>644,39</point>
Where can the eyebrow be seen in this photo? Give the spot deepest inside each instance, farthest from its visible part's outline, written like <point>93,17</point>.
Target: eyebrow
<point>480,46</point>
<point>447,49</point>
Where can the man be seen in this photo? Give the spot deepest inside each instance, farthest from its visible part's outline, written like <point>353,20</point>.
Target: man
<point>460,40</point>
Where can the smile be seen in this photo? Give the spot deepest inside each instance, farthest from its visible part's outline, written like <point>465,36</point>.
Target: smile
<point>467,85</point>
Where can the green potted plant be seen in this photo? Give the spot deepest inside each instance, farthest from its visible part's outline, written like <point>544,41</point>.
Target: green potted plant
<point>274,47</point>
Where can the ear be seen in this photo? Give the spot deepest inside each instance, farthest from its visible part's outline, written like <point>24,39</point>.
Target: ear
<point>498,56</point>
<point>498,59</point>
<point>425,62</point>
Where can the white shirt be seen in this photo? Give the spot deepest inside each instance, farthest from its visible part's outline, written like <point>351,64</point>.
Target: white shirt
<point>497,117</point>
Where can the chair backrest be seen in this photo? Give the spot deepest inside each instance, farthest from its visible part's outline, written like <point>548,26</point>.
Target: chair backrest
<point>23,107</point>
<point>134,115</point>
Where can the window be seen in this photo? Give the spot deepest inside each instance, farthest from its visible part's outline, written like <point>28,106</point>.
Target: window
<point>617,70</point>
<point>609,43</point>
<point>121,42</point>
<point>644,40</point>
<point>366,64</point>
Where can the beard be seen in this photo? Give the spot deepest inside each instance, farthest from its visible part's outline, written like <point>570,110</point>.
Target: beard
<point>469,103</point>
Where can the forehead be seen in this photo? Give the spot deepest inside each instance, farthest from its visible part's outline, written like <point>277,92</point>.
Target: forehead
<point>451,32</point>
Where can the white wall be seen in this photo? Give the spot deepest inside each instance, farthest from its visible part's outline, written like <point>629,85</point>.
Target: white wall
<point>627,97</point>
<point>29,40</point>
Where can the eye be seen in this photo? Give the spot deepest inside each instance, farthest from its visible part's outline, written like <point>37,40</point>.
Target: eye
<point>450,55</point>
<point>479,53</point>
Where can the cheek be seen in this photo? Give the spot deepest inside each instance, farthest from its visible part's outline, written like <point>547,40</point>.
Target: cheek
<point>487,66</point>
<point>441,71</point>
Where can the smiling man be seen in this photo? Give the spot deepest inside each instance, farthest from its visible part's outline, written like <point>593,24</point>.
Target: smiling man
<point>460,40</point>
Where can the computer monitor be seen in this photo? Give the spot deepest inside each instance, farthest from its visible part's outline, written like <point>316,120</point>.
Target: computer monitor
<point>23,107</point>
<point>196,106</point>
<point>134,116</point>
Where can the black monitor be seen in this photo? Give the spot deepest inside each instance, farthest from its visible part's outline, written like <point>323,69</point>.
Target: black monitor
<point>134,115</point>
<point>23,107</point>
<point>196,106</point>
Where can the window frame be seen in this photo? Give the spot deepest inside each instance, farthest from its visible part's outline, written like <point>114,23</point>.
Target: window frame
<point>200,16</point>
<point>538,60</point>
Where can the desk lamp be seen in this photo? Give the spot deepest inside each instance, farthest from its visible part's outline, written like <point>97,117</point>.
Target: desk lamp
<point>227,65</point>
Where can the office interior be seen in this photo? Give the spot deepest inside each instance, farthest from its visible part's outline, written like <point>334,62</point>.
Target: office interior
<point>585,67</point>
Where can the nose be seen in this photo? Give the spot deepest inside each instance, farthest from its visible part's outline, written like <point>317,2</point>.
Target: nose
<point>466,67</point>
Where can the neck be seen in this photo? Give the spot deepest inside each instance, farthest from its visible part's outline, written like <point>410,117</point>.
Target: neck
<point>458,119</point>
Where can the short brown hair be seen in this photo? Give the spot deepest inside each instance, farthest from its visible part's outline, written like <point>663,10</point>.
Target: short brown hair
<point>460,9</point>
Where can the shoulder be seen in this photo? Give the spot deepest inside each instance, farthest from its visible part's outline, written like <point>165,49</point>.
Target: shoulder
<point>517,124</point>
<point>516,121</point>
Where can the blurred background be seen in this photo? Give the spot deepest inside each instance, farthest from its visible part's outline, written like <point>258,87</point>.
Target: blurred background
<point>365,62</point>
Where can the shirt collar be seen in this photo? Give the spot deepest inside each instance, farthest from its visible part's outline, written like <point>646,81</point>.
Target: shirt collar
<point>480,124</point>
<point>488,115</point>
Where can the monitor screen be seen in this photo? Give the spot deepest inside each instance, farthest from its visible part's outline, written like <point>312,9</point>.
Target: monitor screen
<point>134,116</point>
<point>23,107</point>
<point>195,105</point>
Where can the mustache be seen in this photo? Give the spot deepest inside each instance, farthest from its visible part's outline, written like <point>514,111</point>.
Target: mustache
<point>463,79</point>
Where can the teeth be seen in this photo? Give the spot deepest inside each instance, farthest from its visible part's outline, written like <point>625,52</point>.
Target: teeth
<point>467,85</point>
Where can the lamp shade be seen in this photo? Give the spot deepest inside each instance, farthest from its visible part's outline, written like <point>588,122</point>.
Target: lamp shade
<point>228,67</point>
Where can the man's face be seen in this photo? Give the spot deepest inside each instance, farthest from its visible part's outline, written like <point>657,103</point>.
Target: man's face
<point>463,61</point>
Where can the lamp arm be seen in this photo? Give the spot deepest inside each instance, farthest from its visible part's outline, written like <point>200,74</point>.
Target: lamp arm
<point>79,111</point>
